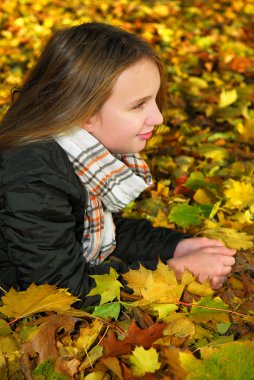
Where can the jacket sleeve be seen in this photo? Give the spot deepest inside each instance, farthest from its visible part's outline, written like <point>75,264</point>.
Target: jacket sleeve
<point>138,240</point>
<point>39,229</point>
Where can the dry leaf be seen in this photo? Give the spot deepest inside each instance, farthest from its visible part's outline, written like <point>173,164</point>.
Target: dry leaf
<point>36,299</point>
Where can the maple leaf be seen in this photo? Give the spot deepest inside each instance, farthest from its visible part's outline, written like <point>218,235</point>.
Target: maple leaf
<point>193,286</point>
<point>161,292</point>
<point>134,336</point>
<point>137,278</point>
<point>36,299</point>
<point>143,361</point>
<point>239,194</point>
<point>159,286</point>
<point>164,274</point>
<point>107,286</point>
<point>230,237</point>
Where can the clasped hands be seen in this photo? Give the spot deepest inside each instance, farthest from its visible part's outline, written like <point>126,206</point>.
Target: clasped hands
<point>205,258</point>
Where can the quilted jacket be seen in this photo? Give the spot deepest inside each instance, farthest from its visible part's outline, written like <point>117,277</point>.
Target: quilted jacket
<point>42,204</point>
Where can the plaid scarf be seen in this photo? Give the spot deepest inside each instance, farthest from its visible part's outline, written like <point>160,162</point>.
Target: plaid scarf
<point>110,182</point>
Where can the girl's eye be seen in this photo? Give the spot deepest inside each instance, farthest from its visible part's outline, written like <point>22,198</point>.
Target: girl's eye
<point>138,106</point>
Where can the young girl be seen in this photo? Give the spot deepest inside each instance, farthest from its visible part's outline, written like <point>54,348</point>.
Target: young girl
<point>70,162</point>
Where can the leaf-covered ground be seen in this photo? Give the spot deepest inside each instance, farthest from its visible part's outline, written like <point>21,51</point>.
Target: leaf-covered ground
<point>202,162</point>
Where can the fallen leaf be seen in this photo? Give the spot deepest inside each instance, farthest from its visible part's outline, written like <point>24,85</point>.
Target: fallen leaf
<point>107,286</point>
<point>44,342</point>
<point>134,337</point>
<point>227,97</point>
<point>231,361</point>
<point>143,361</point>
<point>112,363</point>
<point>36,299</point>
<point>88,334</point>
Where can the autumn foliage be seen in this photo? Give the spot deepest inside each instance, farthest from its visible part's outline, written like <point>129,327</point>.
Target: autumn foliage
<point>202,162</point>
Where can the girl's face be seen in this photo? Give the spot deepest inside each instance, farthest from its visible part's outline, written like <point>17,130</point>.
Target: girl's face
<point>127,119</point>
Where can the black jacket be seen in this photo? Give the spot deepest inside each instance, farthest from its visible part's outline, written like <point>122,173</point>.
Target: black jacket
<point>42,204</point>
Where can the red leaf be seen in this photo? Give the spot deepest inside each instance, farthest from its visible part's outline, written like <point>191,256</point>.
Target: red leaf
<point>134,337</point>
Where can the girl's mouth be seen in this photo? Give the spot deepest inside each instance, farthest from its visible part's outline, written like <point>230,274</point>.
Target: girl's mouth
<point>146,136</point>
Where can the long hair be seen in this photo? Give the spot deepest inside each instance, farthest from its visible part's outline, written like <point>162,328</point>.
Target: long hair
<point>72,79</point>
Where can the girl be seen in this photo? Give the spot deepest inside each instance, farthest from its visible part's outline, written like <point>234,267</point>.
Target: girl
<point>70,162</point>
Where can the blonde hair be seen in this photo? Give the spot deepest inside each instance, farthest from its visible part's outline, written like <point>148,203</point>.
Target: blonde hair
<point>71,81</point>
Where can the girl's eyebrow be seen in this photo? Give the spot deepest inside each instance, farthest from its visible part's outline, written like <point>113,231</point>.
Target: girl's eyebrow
<point>140,100</point>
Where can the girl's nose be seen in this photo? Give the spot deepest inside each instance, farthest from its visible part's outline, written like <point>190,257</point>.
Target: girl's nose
<point>155,116</point>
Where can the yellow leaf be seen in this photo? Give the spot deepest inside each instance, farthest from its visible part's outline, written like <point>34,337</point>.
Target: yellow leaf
<point>227,97</point>
<point>161,220</point>
<point>137,278</point>
<point>88,334</point>
<point>202,197</point>
<point>143,361</point>
<point>36,299</point>
<point>161,292</point>
<point>181,328</point>
<point>8,345</point>
<point>239,194</point>
<point>194,287</point>
<point>98,375</point>
<point>107,286</point>
<point>201,333</point>
<point>164,309</point>
<point>246,130</point>
<point>230,237</point>
<point>187,277</point>
<point>164,274</point>
<point>198,289</point>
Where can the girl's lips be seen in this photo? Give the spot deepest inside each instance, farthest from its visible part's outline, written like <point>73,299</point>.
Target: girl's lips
<point>146,136</point>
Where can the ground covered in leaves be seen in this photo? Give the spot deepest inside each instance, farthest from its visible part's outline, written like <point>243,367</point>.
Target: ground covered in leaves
<point>202,162</point>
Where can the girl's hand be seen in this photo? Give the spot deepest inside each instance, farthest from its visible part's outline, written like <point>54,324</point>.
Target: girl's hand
<point>205,258</point>
<point>185,246</point>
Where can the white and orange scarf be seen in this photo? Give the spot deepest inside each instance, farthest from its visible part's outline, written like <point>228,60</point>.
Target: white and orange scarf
<point>110,182</point>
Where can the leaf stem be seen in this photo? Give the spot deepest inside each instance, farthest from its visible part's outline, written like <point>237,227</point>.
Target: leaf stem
<point>210,308</point>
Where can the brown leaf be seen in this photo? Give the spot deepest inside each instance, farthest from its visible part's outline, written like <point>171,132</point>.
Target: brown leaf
<point>67,366</point>
<point>170,356</point>
<point>134,337</point>
<point>113,365</point>
<point>44,342</point>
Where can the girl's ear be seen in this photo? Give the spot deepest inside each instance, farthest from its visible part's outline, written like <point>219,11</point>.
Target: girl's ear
<point>89,124</point>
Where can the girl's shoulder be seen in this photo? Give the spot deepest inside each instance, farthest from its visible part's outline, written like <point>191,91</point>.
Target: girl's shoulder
<point>44,158</point>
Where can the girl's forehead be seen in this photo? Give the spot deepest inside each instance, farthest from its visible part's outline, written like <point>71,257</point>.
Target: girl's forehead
<point>142,75</point>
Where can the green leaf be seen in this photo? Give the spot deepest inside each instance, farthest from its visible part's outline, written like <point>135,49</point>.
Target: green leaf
<point>213,310</point>
<point>4,328</point>
<point>223,327</point>
<point>107,286</point>
<point>196,181</point>
<point>47,369</point>
<point>185,215</point>
<point>232,361</point>
<point>109,310</point>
